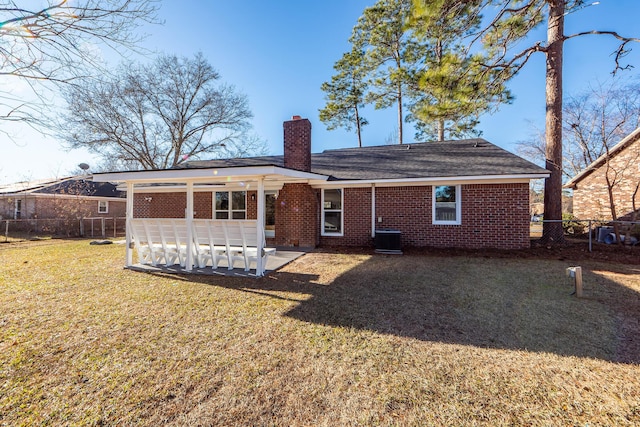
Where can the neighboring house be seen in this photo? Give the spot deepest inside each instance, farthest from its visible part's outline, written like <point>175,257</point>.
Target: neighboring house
<point>465,194</point>
<point>622,167</point>
<point>76,196</point>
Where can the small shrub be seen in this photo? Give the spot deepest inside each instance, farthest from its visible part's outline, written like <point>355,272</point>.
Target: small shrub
<point>571,226</point>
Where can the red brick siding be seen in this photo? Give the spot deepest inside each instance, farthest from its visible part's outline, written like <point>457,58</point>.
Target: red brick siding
<point>590,197</point>
<point>252,205</point>
<point>297,144</point>
<point>173,205</point>
<point>493,216</point>
<point>297,216</point>
<point>357,220</point>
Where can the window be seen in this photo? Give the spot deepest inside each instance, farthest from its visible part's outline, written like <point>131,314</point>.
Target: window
<point>332,212</point>
<point>230,205</point>
<point>446,204</point>
<point>18,211</point>
<point>270,214</point>
<point>103,206</point>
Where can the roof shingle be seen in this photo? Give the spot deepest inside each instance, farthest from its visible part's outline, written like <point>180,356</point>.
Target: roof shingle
<point>470,157</point>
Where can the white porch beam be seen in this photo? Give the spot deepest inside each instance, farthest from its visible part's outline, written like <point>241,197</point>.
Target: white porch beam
<point>129,216</point>
<point>260,227</point>
<point>189,220</point>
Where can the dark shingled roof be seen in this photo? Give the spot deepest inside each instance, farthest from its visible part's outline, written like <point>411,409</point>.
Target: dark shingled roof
<point>470,157</point>
<point>82,187</point>
<point>76,185</point>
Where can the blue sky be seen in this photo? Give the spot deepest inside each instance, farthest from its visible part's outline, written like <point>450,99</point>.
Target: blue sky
<point>278,53</point>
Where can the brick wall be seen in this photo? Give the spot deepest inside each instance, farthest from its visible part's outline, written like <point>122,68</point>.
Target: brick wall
<point>297,216</point>
<point>591,198</point>
<point>297,144</point>
<point>357,220</point>
<point>173,205</point>
<point>493,216</point>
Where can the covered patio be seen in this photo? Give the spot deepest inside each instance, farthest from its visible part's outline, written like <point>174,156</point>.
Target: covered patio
<point>180,252</point>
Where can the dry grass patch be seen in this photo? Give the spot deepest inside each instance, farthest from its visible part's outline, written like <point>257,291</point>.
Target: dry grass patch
<point>332,339</point>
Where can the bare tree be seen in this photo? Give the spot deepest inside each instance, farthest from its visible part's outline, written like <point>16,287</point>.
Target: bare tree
<point>57,41</point>
<point>592,123</point>
<point>158,115</point>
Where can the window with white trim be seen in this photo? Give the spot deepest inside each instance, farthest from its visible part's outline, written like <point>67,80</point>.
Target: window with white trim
<point>332,218</point>
<point>103,206</point>
<point>230,205</point>
<point>446,204</point>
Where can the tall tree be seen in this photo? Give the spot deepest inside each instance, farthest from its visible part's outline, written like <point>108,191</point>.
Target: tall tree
<point>345,94</point>
<point>455,89</point>
<point>53,41</point>
<point>508,22</point>
<point>393,54</point>
<point>157,115</point>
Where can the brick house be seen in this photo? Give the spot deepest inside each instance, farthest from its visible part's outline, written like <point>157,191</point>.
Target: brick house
<point>465,194</point>
<point>622,167</point>
<point>76,196</point>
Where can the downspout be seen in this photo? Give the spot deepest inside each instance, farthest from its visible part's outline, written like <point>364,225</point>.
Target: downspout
<point>373,210</point>
<point>189,221</point>
<point>129,216</point>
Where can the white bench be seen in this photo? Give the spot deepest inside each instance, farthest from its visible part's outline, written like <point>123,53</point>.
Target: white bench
<point>148,241</point>
<point>164,239</point>
<point>242,244</point>
<point>209,242</point>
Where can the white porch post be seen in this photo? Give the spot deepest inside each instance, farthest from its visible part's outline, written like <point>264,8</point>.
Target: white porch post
<point>189,221</point>
<point>260,227</point>
<point>127,227</point>
<point>373,210</point>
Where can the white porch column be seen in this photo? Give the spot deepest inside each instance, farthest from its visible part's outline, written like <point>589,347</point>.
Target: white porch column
<point>129,216</point>
<point>373,210</point>
<point>260,227</point>
<point>189,220</point>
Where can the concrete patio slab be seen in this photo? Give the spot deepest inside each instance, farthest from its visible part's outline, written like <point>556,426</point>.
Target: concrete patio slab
<point>276,261</point>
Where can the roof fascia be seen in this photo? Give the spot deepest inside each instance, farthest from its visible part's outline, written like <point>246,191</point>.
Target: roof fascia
<point>180,188</point>
<point>482,179</point>
<point>204,175</point>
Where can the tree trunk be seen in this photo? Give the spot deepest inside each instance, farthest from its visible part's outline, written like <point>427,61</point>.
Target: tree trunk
<point>552,231</point>
<point>440,130</point>
<point>399,113</point>
<point>358,127</point>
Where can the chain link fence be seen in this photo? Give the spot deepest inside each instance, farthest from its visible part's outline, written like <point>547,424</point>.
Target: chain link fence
<point>594,230</point>
<point>27,229</point>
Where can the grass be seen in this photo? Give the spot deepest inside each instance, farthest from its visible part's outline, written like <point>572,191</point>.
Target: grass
<point>331,339</point>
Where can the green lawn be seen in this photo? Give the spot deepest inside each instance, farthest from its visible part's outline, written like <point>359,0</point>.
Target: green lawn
<point>332,339</point>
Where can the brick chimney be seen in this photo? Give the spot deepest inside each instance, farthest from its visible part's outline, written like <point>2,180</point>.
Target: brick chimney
<point>297,144</point>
